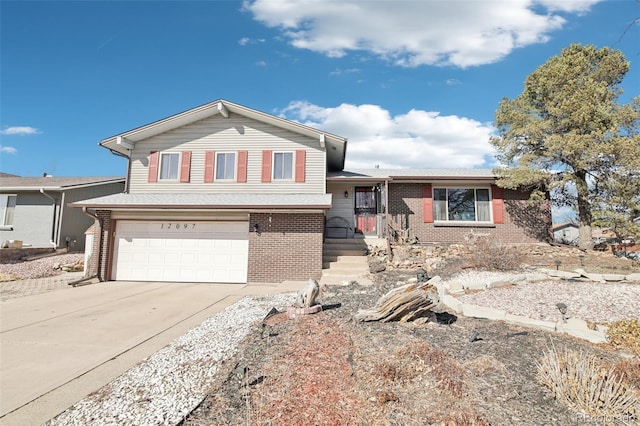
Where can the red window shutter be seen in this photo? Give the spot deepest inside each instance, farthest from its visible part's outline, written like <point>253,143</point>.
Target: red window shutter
<point>266,166</point>
<point>301,164</point>
<point>497,203</point>
<point>154,160</point>
<point>209,166</point>
<point>185,167</point>
<point>427,204</point>
<point>242,166</point>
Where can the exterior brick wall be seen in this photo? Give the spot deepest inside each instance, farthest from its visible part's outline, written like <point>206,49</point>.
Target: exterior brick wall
<point>288,247</point>
<point>100,263</point>
<point>522,223</point>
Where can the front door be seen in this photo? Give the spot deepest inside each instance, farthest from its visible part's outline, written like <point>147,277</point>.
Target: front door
<point>366,209</point>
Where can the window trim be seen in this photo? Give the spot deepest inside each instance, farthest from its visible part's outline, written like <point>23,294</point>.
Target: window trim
<point>217,165</point>
<point>178,167</point>
<point>475,222</point>
<point>293,166</point>
<point>4,226</point>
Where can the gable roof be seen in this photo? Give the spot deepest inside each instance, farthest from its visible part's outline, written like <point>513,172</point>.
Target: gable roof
<point>208,201</point>
<point>412,174</point>
<point>122,143</point>
<point>17,183</point>
<point>564,225</point>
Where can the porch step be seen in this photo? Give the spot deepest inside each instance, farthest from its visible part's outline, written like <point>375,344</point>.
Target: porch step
<point>332,262</point>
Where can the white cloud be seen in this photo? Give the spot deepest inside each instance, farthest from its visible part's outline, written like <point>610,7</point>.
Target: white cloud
<point>8,149</point>
<point>19,130</point>
<point>246,41</point>
<point>339,71</point>
<point>416,139</point>
<point>412,33</point>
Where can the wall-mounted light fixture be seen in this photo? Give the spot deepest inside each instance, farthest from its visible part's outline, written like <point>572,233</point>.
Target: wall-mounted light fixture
<point>346,194</point>
<point>256,228</point>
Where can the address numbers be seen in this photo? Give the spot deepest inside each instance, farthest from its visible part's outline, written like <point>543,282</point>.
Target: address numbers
<point>177,226</point>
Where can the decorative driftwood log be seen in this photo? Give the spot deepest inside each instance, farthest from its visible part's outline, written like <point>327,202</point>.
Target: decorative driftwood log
<point>404,304</point>
<point>308,294</point>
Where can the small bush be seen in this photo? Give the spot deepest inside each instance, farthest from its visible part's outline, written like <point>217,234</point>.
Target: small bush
<point>491,254</point>
<point>583,383</point>
<point>625,335</point>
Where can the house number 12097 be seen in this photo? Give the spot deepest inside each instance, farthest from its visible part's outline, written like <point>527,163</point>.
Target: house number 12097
<point>177,226</point>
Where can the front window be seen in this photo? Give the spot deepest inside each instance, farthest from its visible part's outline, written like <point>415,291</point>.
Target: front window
<point>461,204</point>
<point>283,165</point>
<point>169,166</point>
<point>225,166</point>
<point>7,207</point>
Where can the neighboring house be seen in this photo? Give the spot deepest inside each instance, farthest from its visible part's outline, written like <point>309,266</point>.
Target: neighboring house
<point>224,193</point>
<point>35,210</point>
<point>566,233</point>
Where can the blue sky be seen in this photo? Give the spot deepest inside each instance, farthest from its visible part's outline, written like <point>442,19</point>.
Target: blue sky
<point>410,83</point>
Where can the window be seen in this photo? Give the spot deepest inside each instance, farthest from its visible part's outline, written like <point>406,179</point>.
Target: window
<point>283,165</point>
<point>169,166</point>
<point>225,165</point>
<point>461,204</point>
<point>7,208</point>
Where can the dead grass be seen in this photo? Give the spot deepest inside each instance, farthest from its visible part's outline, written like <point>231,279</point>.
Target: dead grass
<point>328,369</point>
<point>625,335</point>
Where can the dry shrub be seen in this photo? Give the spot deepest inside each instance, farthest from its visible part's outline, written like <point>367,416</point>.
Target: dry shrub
<point>629,372</point>
<point>488,253</point>
<point>625,334</point>
<point>417,358</point>
<point>584,383</point>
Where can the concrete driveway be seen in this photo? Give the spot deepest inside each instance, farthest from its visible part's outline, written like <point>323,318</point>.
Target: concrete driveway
<point>57,347</point>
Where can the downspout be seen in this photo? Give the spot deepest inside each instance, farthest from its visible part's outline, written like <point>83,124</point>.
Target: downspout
<point>54,224</point>
<point>386,219</point>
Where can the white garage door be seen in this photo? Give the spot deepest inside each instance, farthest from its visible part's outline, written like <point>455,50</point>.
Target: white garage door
<point>181,251</point>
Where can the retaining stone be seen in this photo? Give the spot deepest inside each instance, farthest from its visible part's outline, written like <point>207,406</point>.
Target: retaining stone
<point>564,274</point>
<point>456,288</point>
<point>529,322</point>
<point>452,303</point>
<point>499,283</point>
<point>535,277</point>
<point>476,311</point>
<point>633,277</point>
<point>613,277</point>
<point>592,277</point>
<point>578,328</point>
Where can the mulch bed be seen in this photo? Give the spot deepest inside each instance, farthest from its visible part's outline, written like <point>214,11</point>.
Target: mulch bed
<point>329,369</point>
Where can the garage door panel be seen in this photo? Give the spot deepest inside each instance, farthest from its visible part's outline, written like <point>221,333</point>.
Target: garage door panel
<point>186,252</point>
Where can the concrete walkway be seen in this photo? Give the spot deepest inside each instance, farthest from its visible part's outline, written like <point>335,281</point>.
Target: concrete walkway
<point>59,346</point>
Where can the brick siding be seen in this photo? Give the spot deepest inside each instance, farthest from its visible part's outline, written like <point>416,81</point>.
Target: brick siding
<point>522,223</point>
<point>100,263</point>
<point>288,247</point>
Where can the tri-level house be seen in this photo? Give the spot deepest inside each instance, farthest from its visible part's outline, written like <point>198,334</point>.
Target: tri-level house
<point>225,193</point>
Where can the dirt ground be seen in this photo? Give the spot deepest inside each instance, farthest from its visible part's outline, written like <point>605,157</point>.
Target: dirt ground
<point>329,369</point>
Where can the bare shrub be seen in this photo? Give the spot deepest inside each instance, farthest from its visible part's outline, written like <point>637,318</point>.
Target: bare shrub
<point>417,358</point>
<point>629,372</point>
<point>584,383</point>
<point>491,254</point>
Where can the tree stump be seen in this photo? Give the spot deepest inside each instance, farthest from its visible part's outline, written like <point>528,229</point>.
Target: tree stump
<point>403,304</point>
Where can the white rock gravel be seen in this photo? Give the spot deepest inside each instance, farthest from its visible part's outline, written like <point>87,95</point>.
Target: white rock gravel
<point>590,301</point>
<point>40,267</point>
<point>168,385</point>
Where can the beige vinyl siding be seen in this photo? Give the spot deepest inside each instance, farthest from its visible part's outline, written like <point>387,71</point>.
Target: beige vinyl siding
<point>341,206</point>
<point>231,134</point>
